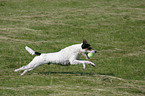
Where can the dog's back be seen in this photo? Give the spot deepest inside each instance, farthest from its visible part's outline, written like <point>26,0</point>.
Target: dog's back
<point>73,49</point>
<point>63,56</point>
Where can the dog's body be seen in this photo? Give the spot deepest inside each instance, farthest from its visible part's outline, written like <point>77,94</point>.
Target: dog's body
<point>67,56</point>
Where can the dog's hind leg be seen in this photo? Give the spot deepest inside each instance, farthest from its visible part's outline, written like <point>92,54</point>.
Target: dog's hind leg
<point>37,61</point>
<point>22,68</point>
<point>31,65</point>
<point>26,71</point>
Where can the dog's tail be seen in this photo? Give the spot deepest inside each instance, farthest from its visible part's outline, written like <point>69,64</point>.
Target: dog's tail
<point>32,51</point>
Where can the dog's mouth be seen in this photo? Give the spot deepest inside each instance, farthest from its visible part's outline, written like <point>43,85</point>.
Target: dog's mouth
<point>86,52</point>
<point>90,51</point>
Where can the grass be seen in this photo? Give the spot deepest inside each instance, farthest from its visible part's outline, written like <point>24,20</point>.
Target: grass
<point>113,27</point>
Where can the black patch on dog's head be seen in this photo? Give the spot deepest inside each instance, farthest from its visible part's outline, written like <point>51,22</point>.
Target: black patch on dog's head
<point>86,45</point>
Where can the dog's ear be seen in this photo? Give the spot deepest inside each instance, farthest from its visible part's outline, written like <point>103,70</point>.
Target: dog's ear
<point>84,41</point>
<point>85,44</point>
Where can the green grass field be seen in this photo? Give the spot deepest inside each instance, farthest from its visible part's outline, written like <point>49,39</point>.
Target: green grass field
<point>115,28</point>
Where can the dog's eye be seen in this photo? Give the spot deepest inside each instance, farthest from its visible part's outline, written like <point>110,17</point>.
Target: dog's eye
<point>89,48</point>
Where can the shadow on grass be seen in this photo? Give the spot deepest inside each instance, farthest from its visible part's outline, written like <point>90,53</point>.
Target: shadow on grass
<point>77,73</point>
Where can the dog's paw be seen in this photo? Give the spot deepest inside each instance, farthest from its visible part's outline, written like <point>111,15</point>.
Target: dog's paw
<point>16,70</point>
<point>92,64</point>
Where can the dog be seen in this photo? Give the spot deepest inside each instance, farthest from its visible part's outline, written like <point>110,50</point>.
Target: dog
<point>67,56</point>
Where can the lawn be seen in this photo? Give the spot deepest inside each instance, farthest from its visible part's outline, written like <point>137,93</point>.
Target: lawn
<point>115,28</point>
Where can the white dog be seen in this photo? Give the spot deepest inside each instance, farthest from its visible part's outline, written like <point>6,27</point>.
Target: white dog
<point>67,56</point>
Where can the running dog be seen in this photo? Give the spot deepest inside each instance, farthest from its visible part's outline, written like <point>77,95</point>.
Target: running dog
<point>67,56</point>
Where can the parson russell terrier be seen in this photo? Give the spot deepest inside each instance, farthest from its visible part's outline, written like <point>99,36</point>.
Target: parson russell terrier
<point>67,56</point>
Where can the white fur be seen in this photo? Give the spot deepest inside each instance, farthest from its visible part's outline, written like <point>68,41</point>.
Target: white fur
<point>30,50</point>
<point>67,56</point>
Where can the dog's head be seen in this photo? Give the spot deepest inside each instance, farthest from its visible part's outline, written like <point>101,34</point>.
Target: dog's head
<point>86,48</point>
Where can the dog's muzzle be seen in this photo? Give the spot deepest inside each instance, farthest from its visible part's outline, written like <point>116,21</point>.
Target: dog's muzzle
<point>88,51</point>
<point>93,51</point>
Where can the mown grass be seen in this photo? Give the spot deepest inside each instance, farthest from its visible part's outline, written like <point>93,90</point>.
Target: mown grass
<point>113,27</point>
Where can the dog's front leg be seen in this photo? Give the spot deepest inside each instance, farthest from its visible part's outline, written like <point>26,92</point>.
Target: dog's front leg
<point>81,62</point>
<point>73,60</point>
<point>85,55</point>
<point>84,66</point>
